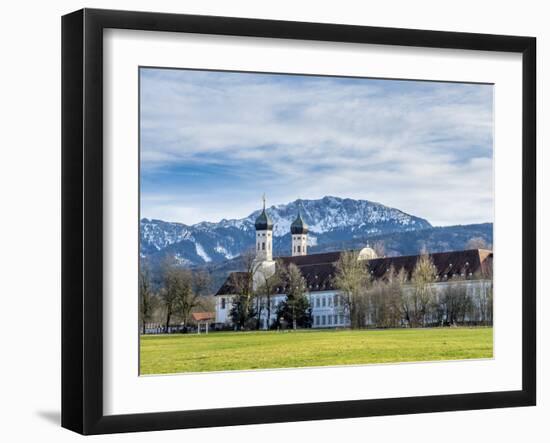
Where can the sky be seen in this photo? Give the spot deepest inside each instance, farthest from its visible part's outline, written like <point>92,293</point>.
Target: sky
<point>212,143</point>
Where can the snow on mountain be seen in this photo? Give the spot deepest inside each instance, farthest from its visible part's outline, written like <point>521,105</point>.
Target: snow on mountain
<point>221,250</point>
<point>202,253</point>
<point>330,219</point>
<point>161,234</point>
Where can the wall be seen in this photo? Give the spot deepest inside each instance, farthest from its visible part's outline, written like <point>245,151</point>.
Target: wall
<point>30,222</point>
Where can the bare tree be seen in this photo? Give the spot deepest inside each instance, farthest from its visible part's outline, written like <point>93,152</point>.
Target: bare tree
<point>169,292</point>
<point>394,285</point>
<point>423,292</point>
<point>243,282</point>
<point>451,303</point>
<point>187,298</point>
<point>376,299</point>
<point>385,299</point>
<point>146,296</point>
<point>180,293</point>
<point>353,279</point>
<point>486,294</point>
<point>269,282</point>
<point>206,303</point>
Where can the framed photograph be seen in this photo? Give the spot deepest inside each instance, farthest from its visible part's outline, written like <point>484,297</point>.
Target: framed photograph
<point>269,221</point>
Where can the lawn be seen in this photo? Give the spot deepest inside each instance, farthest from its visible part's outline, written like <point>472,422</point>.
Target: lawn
<point>222,351</point>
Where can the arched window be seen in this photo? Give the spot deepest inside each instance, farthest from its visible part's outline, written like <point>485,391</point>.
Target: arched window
<point>263,246</point>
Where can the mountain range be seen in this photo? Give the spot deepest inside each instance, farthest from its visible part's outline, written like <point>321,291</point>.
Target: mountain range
<point>334,223</point>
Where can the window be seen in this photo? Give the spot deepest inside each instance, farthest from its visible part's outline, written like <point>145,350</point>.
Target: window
<point>317,320</point>
<point>258,246</point>
<point>317,302</point>
<point>223,303</point>
<point>324,302</point>
<point>298,248</point>
<point>330,301</point>
<point>335,319</point>
<point>324,320</point>
<point>341,319</point>
<point>263,246</point>
<point>330,319</point>
<point>335,300</point>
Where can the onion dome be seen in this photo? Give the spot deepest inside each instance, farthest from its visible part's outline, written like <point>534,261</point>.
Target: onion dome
<point>299,226</point>
<point>263,222</point>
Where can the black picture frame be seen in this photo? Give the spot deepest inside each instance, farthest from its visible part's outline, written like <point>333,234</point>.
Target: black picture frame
<point>82,218</point>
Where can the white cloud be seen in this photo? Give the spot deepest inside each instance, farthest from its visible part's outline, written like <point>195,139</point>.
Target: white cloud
<point>425,148</point>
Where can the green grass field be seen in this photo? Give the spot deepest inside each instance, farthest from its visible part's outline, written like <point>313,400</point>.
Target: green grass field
<point>222,351</point>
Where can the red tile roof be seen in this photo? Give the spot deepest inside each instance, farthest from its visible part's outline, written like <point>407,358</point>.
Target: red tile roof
<point>203,316</point>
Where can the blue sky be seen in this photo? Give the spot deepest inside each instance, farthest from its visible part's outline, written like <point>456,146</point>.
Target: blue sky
<point>213,142</point>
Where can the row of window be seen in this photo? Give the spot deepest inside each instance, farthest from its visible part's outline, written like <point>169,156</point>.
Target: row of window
<point>329,320</point>
<point>264,306</point>
<point>329,300</point>
<point>317,302</point>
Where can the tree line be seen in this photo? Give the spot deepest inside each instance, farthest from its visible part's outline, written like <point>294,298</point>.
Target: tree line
<point>180,292</point>
<point>413,300</point>
<point>396,300</point>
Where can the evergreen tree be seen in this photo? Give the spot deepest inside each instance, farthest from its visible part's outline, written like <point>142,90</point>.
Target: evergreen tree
<point>295,309</point>
<point>243,313</point>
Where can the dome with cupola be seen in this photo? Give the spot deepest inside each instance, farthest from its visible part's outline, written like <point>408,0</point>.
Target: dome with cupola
<point>367,254</point>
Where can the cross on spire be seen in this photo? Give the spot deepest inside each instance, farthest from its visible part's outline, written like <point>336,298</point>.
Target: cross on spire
<point>263,199</point>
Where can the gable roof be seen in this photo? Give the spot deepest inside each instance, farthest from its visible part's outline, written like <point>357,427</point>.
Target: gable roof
<point>318,269</point>
<point>203,316</point>
<point>228,286</point>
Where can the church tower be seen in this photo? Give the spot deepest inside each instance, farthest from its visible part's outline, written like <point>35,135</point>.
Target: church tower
<point>299,231</point>
<point>264,236</point>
